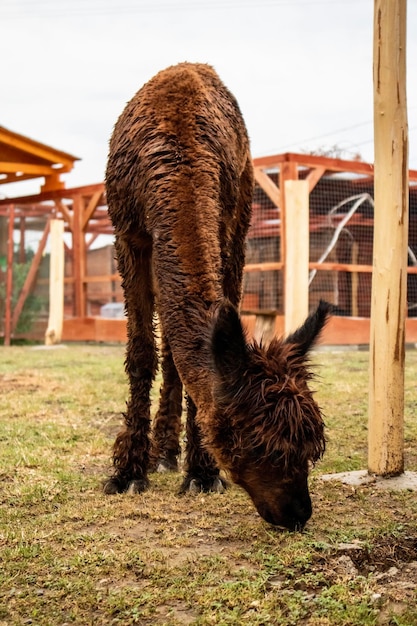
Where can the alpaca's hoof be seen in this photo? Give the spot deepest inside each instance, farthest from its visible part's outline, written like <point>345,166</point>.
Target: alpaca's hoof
<point>112,486</point>
<point>218,486</point>
<point>137,486</point>
<point>167,465</point>
<point>117,485</point>
<point>165,462</point>
<point>196,485</point>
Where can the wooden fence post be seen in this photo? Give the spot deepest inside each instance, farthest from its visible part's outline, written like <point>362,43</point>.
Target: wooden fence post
<point>79,256</point>
<point>53,333</point>
<point>9,279</point>
<point>296,253</point>
<point>389,278</point>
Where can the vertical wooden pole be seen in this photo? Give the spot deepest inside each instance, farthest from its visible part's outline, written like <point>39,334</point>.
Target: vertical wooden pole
<point>389,278</point>
<point>53,333</point>
<point>9,279</point>
<point>354,278</point>
<point>288,171</point>
<point>296,253</point>
<point>22,245</point>
<point>79,256</point>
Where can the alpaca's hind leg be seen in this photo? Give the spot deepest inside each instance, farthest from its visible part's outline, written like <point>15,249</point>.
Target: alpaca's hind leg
<point>132,445</point>
<point>167,421</point>
<point>202,473</point>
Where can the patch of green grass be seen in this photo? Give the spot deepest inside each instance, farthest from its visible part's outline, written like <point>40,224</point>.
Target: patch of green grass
<point>71,555</point>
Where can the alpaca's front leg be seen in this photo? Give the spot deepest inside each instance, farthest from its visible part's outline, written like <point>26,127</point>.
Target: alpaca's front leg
<point>132,446</point>
<point>202,473</point>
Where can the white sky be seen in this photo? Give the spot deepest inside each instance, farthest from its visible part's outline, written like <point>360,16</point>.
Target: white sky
<point>300,69</point>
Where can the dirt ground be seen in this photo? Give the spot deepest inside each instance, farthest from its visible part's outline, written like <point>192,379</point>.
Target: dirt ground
<point>360,543</point>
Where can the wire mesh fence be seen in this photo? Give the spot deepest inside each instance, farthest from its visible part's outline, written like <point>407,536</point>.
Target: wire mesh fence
<point>341,231</point>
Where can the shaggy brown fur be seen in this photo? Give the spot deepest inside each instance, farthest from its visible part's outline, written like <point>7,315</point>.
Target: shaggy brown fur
<point>179,190</point>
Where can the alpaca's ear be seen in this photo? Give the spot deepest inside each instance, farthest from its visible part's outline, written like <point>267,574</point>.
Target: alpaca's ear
<point>305,336</point>
<point>228,343</point>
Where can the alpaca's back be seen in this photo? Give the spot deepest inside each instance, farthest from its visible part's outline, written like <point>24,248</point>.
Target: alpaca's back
<point>179,146</point>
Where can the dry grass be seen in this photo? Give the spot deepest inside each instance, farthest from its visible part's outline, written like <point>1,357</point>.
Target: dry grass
<point>71,555</point>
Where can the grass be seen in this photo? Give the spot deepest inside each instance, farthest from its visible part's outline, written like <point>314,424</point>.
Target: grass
<point>71,555</point>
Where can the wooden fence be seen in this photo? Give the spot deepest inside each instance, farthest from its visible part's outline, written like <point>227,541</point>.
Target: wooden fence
<point>310,238</point>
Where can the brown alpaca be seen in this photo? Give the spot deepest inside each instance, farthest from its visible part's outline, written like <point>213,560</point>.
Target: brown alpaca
<point>179,190</point>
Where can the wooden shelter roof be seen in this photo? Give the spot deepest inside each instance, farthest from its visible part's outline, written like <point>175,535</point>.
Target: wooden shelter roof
<point>22,158</point>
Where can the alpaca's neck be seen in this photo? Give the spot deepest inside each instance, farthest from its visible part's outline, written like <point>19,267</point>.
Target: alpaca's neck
<point>187,327</point>
<point>189,282</point>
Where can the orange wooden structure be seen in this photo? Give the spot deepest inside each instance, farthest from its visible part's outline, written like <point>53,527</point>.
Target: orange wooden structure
<point>22,158</point>
<point>84,212</point>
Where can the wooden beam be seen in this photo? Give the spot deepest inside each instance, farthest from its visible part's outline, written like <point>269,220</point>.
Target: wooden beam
<point>91,240</point>
<point>311,160</point>
<point>35,148</point>
<point>389,281</point>
<point>266,183</point>
<point>91,207</point>
<point>314,176</point>
<point>263,267</point>
<point>95,329</point>
<point>26,168</point>
<point>56,193</point>
<point>52,183</point>
<point>65,212</point>
<point>340,267</point>
<point>105,278</point>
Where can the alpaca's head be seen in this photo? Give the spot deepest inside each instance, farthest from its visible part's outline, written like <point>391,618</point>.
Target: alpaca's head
<point>267,428</point>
